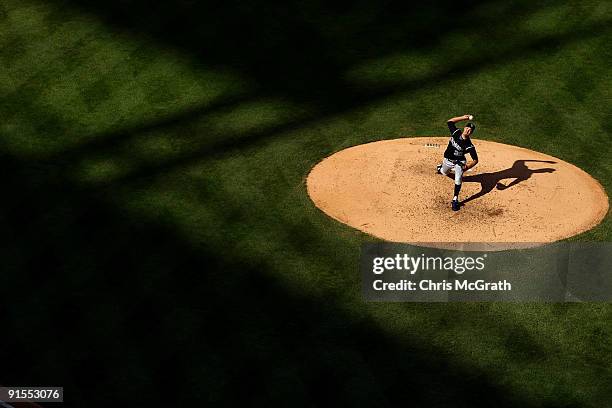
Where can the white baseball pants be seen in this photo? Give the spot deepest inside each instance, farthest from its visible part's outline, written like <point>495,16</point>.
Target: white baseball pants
<point>448,165</point>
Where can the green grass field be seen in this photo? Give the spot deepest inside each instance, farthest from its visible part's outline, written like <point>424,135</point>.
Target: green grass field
<point>159,244</point>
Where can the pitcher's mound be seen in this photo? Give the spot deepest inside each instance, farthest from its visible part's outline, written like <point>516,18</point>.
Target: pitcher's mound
<point>390,189</point>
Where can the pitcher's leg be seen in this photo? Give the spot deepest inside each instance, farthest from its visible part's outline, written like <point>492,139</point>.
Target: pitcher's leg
<point>458,181</point>
<point>446,166</point>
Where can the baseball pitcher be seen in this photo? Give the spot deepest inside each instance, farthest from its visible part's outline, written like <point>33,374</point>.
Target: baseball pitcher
<point>454,156</point>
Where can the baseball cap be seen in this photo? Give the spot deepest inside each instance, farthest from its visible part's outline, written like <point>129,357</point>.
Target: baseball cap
<point>471,126</point>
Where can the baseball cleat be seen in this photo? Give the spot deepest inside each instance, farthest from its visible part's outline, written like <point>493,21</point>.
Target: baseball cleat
<point>438,167</point>
<point>455,205</point>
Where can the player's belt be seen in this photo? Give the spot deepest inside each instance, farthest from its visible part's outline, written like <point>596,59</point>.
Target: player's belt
<point>456,161</point>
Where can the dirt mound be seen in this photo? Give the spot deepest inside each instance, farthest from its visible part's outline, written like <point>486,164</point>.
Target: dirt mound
<point>390,189</point>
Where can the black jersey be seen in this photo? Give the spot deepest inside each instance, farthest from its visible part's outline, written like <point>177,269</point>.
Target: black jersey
<point>458,147</point>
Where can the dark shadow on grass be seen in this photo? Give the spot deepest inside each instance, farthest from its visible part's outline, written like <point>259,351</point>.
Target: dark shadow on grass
<point>112,305</point>
<point>297,51</point>
<point>518,173</point>
<point>218,144</point>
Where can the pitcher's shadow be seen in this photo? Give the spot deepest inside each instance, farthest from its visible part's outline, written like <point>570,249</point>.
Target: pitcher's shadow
<point>519,172</point>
